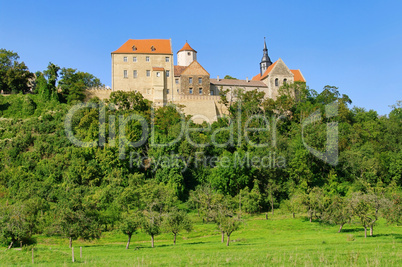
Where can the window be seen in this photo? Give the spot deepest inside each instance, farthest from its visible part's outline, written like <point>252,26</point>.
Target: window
<point>167,59</point>
<point>134,48</point>
<point>148,73</point>
<point>158,74</point>
<point>276,82</point>
<point>134,59</point>
<point>153,48</point>
<point>285,81</point>
<point>125,74</point>
<point>135,73</point>
<point>190,80</point>
<point>211,92</point>
<point>177,90</point>
<point>190,90</point>
<point>177,81</point>
<point>188,53</point>
<point>147,58</point>
<point>125,59</point>
<point>200,91</point>
<point>167,91</point>
<point>167,73</point>
<point>200,80</point>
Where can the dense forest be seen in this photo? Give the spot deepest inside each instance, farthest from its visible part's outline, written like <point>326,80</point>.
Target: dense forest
<point>140,167</point>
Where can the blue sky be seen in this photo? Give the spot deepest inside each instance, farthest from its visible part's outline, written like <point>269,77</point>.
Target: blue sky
<point>355,45</point>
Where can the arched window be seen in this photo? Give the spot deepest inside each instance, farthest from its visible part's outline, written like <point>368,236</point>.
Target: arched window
<point>285,81</point>
<point>276,82</point>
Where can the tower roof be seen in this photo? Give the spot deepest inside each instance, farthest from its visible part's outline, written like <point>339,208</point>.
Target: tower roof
<point>186,47</point>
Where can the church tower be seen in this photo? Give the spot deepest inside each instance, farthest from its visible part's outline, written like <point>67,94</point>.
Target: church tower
<point>265,61</point>
<point>186,55</point>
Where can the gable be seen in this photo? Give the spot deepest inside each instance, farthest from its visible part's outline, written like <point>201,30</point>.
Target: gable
<point>195,68</point>
<point>280,69</point>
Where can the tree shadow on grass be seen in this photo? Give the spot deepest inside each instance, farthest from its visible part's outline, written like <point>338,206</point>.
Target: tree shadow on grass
<point>396,236</point>
<point>352,230</point>
<point>4,106</point>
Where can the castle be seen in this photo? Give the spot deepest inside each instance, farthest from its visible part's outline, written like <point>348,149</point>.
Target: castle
<point>147,66</point>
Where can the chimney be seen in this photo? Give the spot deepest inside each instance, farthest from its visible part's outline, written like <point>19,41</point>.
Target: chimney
<point>217,78</point>
<point>246,79</point>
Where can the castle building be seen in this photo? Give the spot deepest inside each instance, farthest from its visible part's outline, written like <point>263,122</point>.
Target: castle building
<point>147,66</point>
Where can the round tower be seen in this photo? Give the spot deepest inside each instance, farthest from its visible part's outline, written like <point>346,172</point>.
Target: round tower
<point>265,61</point>
<point>186,55</point>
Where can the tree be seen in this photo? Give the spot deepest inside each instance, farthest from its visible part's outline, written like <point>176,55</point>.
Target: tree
<point>76,218</point>
<point>271,188</point>
<point>14,225</point>
<point>151,224</point>
<point>73,83</point>
<point>52,73</point>
<point>176,221</point>
<point>14,76</point>
<point>338,212</point>
<point>229,225</point>
<point>294,204</point>
<point>393,211</point>
<point>367,206</point>
<point>130,222</point>
<point>229,77</point>
<point>76,92</point>
<point>315,202</point>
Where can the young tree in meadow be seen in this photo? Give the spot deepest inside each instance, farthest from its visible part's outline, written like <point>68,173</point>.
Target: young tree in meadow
<point>294,204</point>
<point>315,201</point>
<point>76,217</point>
<point>14,225</point>
<point>393,210</point>
<point>367,206</point>
<point>151,224</point>
<point>176,221</point>
<point>338,212</point>
<point>271,188</point>
<point>229,225</point>
<point>222,209</point>
<point>130,222</point>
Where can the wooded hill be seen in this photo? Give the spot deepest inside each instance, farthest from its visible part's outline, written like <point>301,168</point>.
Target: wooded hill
<point>49,185</point>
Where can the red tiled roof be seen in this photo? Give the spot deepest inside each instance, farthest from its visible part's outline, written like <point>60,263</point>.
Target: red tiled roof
<point>160,46</point>
<point>178,70</point>
<point>158,68</point>
<point>232,82</point>
<point>265,74</point>
<point>298,77</point>
<point>187,47</point>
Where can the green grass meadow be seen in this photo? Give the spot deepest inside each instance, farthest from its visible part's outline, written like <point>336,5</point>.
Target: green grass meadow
<point>279,241</point>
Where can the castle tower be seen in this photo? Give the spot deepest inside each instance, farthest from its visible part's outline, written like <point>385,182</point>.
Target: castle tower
<point>186,55</point>
<point>265,61</point>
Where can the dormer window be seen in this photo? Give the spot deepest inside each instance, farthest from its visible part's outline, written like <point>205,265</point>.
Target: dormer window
<point>153,48</point>
<point>134,48</point>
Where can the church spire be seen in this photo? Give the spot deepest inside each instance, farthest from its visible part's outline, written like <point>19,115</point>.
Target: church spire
<point>265,61</point>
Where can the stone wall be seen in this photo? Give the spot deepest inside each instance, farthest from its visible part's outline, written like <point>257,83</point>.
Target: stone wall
<point>101,93</point>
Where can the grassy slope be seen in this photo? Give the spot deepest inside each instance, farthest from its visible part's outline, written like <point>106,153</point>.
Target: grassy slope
<point>278,241</point>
